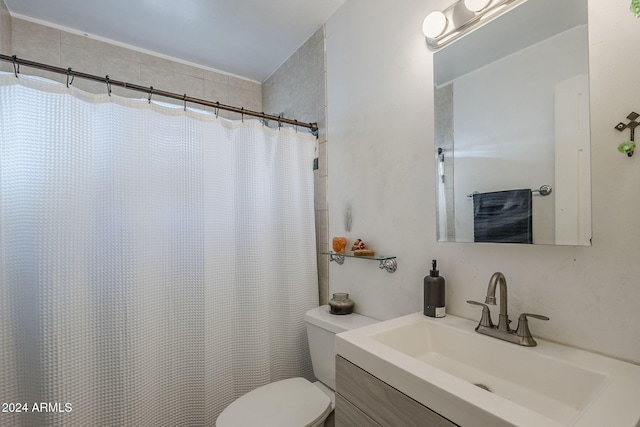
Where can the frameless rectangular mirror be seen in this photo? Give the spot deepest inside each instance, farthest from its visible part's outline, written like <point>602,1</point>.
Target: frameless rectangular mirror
<point>512,113</point>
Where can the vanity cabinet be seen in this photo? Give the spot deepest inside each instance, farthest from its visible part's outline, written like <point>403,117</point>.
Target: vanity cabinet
<point>365,401</point>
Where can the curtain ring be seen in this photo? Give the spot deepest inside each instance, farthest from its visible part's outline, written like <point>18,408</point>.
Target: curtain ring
<point>296,126</point>
<point>16,66</point>
<point>217,108</point>
<point>184,98</point>
<point>242,114</point>
<point>69,82</point>
<point>150,93</point>
<point>108,84</point>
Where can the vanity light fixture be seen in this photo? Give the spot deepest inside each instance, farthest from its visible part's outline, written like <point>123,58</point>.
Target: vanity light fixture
<point>442,27</point>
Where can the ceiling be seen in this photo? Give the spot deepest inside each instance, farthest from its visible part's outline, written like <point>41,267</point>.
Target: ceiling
<point>248,38</point>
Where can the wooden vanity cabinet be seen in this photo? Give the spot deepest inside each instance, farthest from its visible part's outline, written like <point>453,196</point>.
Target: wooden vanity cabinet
<point>365,401</point>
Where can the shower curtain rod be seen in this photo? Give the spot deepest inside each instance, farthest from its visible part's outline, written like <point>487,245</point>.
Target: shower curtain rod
<point>313,127</point>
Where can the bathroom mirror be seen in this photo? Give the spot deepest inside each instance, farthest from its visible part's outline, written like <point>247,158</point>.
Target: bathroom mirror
<point>512,113</point>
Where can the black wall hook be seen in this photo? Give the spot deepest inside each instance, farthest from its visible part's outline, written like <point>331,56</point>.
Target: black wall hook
<point>69,80</point>
<point>631,126</point>
<point>16,66</point>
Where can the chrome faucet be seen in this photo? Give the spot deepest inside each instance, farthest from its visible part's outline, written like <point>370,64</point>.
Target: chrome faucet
<point>498,278</point>
<point>522,334</point>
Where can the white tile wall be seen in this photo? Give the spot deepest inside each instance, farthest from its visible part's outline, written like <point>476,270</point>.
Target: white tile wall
<point>53,46</point>
<point>5,34</point>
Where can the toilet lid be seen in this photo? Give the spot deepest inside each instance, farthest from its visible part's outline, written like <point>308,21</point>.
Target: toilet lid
<point>294,402</point>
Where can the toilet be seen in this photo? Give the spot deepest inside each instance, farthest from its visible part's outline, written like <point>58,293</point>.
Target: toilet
<point>296,402</point>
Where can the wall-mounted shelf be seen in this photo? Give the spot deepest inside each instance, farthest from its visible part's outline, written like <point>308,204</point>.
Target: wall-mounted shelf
<point>388,263</point>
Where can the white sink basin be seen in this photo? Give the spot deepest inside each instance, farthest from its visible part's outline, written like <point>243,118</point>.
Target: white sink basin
<point>447,366</point>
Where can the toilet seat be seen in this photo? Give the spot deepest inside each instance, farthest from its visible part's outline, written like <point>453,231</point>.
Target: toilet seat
<point>294,402</point>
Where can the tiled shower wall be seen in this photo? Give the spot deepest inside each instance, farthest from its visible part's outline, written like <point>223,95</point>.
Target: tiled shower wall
<point>5,34</point>
<point>64,49</point>
<point>298,89</point>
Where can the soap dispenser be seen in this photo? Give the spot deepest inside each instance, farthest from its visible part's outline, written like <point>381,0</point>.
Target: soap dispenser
<point>434,293</point>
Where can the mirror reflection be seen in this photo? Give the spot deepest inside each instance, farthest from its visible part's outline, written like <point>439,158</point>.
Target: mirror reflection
<point>512,129</point>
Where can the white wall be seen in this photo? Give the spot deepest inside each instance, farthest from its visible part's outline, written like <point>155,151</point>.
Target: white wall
<point>381,166</point>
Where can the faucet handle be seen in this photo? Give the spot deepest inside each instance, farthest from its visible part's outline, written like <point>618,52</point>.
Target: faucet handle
<point>523,328</point>
<point>486,314</point>
<point>477,303</point>
<point>536,316</point>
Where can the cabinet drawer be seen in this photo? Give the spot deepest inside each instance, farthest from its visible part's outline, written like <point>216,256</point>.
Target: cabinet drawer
<point>348,415</point>
<point>381,402</point>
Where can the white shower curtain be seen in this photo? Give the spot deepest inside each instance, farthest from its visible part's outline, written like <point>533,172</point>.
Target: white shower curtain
<point>155,264</point>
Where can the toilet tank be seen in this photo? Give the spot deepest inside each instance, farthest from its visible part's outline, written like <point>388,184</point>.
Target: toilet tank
<point>321,330</point>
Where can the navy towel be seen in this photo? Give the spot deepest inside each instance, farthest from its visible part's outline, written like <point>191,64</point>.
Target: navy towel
<point>502,217</point>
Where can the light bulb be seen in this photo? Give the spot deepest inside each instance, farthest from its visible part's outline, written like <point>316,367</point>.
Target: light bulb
<point>476,5</point>
<point>434,24</point>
